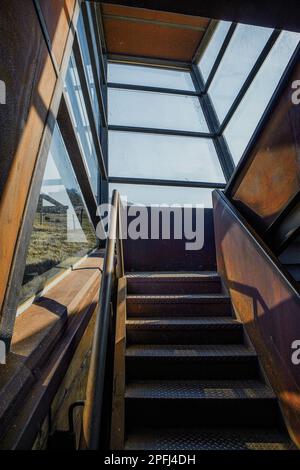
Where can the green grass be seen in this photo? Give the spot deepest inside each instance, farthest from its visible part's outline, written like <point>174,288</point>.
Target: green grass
<point>50,251</point>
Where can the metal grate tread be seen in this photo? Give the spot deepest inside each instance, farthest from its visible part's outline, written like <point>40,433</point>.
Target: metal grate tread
<point>174,276</point>
<point>176,439</point>
<point>198,389</point>
<point>190,351</point>
<point>178,299</point>
<point>183,322</point>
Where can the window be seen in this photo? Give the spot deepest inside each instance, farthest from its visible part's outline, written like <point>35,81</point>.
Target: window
<point>150,76</point>
<point>212,50</point>
<point>241,54</point>
<point>169,157</point>
<point>93,34</point>
<point>242,125</point>
<point>62,231</point>
<point>155,110</point>
<point>81,123</point>
<point>88,68</point>
<point>148,194</point>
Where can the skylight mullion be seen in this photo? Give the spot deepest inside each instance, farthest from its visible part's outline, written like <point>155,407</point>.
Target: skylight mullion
<point>220,56</point>
<point>163,182</point>
<point>154,89</point>
<point>156,130</point>
<point>223,152</point>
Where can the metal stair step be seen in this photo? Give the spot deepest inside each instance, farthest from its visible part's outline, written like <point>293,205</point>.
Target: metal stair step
<point>190,362</point>
<point>163,305</point>
<point>173,282</point>
<point>186,403</point>
<point>184,330</point>
<point>198,390</point>
<point>176,439</point>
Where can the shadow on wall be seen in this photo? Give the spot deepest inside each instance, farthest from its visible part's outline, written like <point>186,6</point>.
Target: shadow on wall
<point>265,301</point>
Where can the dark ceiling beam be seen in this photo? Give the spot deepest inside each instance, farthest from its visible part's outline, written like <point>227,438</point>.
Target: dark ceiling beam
<point>282,14</point>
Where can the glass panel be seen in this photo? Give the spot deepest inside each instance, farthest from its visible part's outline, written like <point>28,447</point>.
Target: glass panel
<point>95,50</point>
<point>88,68</point>
<point>137,155</point>
<point>242,52</point>
<point>148,194</point>
<point>245,120</point>
<point>150,76</point>
<point>81,122</point>
<point>155,110</point>
<point>209,56</point>
<point>62,232</point>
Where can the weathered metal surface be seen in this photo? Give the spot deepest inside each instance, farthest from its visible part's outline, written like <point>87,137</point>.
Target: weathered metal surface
<point>148,33</point>
<point>22,119</point>
<point>45,339</point>
<point>170,255</point>
<point>118,399</point>
<point>282,14</point>
<point>57,16</point>
<point>265,301</point>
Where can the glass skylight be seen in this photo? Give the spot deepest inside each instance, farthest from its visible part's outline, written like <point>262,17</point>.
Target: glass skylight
<point>212,50</point>
<point>155,110</point>
<point>169,157</point>
<point>150,76</point>
<point>246,118</point>
<point>241,54</point>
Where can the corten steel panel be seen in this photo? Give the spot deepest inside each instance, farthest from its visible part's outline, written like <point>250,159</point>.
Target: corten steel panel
<point>273,176</point>
<point>170,255</point>
<point>162,16</point>
<point>30,79</point>
<point>152,34</point>
<point>266,302</point>
<point>282,14</point>
<point>57,15</point>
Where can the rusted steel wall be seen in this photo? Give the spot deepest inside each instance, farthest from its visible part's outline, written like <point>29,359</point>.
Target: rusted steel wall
<point>170,254</point>
<point>30,79</point>
<point>265,301</point>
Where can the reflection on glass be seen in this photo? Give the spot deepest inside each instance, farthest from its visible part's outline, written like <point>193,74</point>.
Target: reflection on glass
<point>241,54</point>
<point>155,110</point>
<point>150,76</point>
<point>62,231</point>
<point>81,122</point>
<point>148,194</point>
<point>209,56</point>
<point>138,155</point>
<point>88,68</point>
<point>246,118</point>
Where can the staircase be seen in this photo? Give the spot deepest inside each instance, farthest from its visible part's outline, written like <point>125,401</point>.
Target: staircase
<point>192,381</point>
